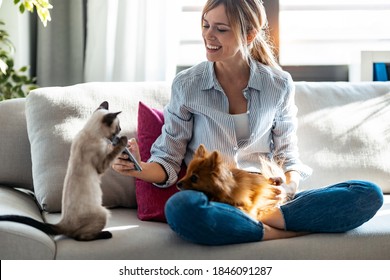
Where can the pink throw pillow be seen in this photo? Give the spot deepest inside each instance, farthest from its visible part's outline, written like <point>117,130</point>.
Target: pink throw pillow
<point>151,199</point>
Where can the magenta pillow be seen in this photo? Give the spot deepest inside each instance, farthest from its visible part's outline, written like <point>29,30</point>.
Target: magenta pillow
<point>151,199</point>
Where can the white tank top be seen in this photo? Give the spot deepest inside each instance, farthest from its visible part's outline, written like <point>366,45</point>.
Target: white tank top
<point>241,125</point>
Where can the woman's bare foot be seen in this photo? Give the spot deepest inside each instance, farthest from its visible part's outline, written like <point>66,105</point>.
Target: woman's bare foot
<point>271,233</point>
<point>274,226</point>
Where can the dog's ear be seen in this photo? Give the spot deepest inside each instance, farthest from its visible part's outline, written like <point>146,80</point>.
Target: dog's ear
<point>201,151</point>
<point>215,160</point>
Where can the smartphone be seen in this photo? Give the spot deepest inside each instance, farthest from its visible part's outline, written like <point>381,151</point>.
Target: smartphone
<point>132,159</point>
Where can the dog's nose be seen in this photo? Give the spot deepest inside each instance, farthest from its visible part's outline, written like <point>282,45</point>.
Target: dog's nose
<point>179,185</point>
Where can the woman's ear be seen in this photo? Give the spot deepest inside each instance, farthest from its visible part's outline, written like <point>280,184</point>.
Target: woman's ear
<point>251,36</point>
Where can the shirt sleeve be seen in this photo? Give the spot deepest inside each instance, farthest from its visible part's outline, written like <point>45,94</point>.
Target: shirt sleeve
<point>284,134</point>
<point>170,147</point>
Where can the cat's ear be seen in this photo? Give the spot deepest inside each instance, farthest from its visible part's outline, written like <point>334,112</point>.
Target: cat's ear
<point>109,118</point>
<point>104,105</point>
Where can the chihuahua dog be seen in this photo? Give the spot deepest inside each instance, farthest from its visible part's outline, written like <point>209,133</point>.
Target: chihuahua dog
<point>253,193</point>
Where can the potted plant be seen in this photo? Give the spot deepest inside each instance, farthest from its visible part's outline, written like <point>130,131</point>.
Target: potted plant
<point>16,82</point>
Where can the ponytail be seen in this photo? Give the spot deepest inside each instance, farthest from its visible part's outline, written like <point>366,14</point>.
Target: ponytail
<point>262,50</point>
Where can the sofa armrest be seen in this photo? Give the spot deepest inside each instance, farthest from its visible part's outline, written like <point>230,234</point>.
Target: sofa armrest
<point>15,156</point>
<point>19,241</point>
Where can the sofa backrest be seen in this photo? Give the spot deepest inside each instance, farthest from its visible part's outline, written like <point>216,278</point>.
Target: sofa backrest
<point>344,131</point>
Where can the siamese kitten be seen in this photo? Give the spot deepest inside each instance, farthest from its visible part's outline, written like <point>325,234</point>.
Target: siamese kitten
<point>83,217</point>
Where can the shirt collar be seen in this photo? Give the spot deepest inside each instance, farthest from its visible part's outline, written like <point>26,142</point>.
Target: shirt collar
<point>255,79</point>
<point>210,79</point>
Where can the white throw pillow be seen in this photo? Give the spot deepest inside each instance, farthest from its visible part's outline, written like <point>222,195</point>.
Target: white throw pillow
<point>54,116</point>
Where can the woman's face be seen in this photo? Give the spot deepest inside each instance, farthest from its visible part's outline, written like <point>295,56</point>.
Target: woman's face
<point>220,42</point>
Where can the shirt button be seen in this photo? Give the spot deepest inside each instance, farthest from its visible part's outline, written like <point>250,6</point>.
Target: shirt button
<point>235,148</point>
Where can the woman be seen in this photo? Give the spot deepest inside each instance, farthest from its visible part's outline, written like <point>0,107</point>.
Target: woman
<point>241,103</point>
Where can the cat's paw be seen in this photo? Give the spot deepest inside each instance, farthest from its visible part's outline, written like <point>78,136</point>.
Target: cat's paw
<point>123,141</point>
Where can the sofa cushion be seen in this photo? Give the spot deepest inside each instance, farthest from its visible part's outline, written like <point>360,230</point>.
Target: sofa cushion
<point>15,163</point>
<point>150,199</point>
<point>54,115</point>
<point>344,132</point>
<point>19,241</point>
<point>140,240</point>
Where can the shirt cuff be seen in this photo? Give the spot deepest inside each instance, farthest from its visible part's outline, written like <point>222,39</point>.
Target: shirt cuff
<point>303,170</point>
<point>171,173</point>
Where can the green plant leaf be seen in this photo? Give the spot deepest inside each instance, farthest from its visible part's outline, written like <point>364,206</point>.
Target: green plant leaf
<point>10,63</point>
<point>22,8</point>
<point>21,93</point>
<point>16,78</point>
<point>13,83</point>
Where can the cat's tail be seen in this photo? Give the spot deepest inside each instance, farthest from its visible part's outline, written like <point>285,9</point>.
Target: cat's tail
<point>46,228</point>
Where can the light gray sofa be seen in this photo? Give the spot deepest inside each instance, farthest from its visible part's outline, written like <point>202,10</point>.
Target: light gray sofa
<point>344,133</point>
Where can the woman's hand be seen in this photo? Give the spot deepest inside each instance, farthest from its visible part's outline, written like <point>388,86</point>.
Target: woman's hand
<point>122,164</point>
<point>152,172</point>
<point>291,184</point>
<point>289,191</point>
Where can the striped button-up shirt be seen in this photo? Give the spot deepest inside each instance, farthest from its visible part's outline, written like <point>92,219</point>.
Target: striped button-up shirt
<point>198,113</point>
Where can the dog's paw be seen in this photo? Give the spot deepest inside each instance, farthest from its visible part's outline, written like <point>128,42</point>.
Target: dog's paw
<point>276,181</point>
<point>278,194</point>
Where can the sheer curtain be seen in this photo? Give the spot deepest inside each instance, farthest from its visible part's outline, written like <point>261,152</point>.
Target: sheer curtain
<point>131,40</point>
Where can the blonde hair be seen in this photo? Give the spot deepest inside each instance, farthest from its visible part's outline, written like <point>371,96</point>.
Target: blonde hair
<point>248,17</point>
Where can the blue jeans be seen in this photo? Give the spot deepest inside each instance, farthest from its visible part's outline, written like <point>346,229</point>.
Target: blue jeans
<point>336,208</point>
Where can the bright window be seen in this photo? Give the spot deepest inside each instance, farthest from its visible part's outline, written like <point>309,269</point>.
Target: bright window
<point>312,32</point>
<point>191,49</point>
<point>332,32</point>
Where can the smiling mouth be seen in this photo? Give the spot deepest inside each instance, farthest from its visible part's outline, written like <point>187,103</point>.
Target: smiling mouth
<point>213,48</point>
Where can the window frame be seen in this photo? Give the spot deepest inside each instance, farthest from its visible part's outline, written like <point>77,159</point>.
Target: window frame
<point>298,72</point>
<point>309,73</point>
